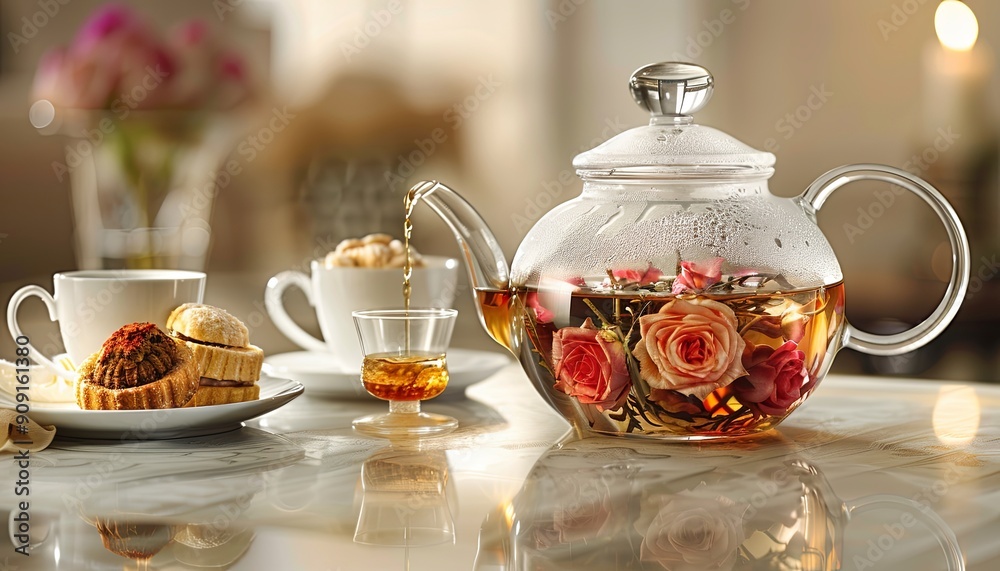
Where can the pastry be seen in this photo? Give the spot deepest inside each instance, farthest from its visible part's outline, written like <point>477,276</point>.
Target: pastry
<point>134,540</point>
<point>229,366</point>
<point>372,251</point>
<point>138,367</point>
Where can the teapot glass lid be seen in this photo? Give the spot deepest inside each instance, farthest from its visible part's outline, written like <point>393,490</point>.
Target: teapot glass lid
<point>672,145</point>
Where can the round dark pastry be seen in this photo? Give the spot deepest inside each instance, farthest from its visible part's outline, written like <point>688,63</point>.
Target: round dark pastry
<point>138,367</point>
<point>138,541</point>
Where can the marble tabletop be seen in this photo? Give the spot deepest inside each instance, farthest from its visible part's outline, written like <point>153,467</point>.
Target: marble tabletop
<point>871,473</point>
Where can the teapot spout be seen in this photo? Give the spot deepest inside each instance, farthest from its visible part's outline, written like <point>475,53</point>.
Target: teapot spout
<point>487,265</point>
<point>489,274</point>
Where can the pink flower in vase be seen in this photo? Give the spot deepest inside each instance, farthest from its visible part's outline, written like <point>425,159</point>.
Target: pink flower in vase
<point>590,366</point>
<point>774,379</point>
<point>690,346</point>
<point>697,276</point>
<point>117,62</point>
<point>109,20</point>
<point>114,61</point>
<point>208,74</point>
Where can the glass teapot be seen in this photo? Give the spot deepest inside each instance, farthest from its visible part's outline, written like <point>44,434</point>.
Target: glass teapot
<point>676,297</point>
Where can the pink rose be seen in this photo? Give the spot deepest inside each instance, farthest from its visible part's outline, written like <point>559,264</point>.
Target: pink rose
<point>642,277</point>
<point>774,380</point>
<point>542,315</point>
<point>590,365</point>
<point>697,276</point>
<point>693,534</point>
<point>690,346</point>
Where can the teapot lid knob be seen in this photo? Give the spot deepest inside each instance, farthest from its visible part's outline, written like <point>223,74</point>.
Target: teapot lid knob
<point>671,91</point>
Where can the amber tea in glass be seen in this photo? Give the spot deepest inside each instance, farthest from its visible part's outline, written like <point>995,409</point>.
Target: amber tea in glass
<point>404,364</point>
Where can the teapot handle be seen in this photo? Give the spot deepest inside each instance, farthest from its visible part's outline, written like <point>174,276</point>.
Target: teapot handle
<point>815,196</point>
<point>953,558</point>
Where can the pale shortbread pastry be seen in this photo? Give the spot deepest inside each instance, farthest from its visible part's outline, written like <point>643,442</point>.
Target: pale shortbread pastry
<point>208,395</point>
<point>208,324</point>
<point>220,343</point>
<point>228,363</point>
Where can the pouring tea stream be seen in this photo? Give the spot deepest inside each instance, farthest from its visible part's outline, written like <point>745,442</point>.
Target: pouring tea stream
<point>676,297</point>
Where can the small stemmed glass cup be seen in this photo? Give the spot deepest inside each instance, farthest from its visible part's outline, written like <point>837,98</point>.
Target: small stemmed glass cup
<point>405,364</point>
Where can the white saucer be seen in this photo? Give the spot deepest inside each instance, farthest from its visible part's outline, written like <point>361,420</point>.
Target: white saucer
<point>322,375</point>
<point>159,424</point>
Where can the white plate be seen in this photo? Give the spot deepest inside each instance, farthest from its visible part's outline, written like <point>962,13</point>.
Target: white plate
<point>322,375</point>
<point>159,424</point>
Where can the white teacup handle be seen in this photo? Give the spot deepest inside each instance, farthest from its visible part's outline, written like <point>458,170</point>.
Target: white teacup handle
<point>15,329</point>
<point>953,558</point>
<point>924,332</point>
<point>276,287</point>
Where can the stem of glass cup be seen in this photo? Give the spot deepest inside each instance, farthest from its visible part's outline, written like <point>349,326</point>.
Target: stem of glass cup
<point>404,407</point>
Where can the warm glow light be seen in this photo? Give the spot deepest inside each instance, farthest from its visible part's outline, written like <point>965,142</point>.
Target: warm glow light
<point>508,514</point>
<point>956,415</point>
<point>956,25</point>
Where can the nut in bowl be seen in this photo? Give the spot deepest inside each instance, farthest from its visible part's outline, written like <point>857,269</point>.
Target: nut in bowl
<point>365,273</point>
<point>372,251</point>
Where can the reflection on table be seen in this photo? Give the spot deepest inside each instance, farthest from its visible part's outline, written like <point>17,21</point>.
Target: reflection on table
<point>870,474</point>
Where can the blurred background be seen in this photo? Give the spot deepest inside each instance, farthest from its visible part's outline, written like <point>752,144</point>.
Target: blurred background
<point>303,122</point>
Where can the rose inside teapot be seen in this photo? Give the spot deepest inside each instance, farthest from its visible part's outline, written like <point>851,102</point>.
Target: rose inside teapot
<point>676,297</point>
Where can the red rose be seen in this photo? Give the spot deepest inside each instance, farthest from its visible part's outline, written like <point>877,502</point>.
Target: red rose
<point>590,365</point>
<point>774,379</point>
<point>698,276</point>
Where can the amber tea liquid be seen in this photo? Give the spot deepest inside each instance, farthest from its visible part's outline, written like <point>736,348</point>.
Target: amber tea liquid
<point>394,377</point>
<point>812,317</point>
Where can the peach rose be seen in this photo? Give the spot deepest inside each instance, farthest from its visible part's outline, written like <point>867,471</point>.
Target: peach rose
<point>693,534</point>
<point>590,365</point>
<point>698,276</point>
<point>690,346</point>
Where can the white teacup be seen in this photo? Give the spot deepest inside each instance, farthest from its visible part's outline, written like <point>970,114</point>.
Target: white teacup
<point>335,292</point>
<point>90,305</point>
